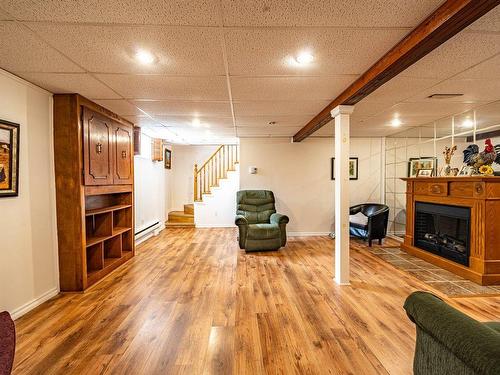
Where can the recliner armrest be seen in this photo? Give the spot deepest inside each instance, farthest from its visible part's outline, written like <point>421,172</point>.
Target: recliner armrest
<point>240,220</point>
<point>378,212</point>
<point>279,219</point>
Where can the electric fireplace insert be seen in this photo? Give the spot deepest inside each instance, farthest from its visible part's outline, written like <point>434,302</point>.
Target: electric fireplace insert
<point>443,230</point>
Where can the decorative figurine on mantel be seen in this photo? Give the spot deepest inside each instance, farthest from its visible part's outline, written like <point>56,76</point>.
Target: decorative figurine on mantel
<point>481,161</point>
<point>448,153</point>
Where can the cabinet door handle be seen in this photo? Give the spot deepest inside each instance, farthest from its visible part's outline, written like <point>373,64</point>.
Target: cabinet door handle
<point>436,189</point>
<point>124,154</point>
<point>98,148</point>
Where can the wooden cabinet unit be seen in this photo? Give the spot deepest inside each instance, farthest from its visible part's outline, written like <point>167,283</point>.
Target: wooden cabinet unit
<point>93,151</point>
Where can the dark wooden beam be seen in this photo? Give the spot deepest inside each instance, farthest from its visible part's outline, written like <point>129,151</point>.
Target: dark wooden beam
<point>448,20</point>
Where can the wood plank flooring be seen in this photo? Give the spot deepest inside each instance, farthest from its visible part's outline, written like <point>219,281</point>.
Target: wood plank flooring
<point>191,302</point>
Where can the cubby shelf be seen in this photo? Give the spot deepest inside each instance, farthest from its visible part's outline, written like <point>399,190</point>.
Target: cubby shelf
<point>106,209</point>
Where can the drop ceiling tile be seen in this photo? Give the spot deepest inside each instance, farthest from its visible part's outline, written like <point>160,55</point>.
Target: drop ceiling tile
<point>436,108</point>
<point>111,49</point>
<point>142,121</point>
<point>464,50</point>
<point>281,121</point>
<point>288,88</point>
<point>21,51</point>
<point>487,69</point>
<point>336,51</point>
<point>4,16</point>
<point>187,121</point>
<point>172,12</point>
<point>186,108</point>
<point>400,88</point>
<point>120,107</point>
<point>267,131</point>
<point>474,90</point>
<point>369,108</point>
<point>337,13</point>
<point>63,83</point>
<point>167,87</point>
<point>489,22</point>
<point>276,108</point>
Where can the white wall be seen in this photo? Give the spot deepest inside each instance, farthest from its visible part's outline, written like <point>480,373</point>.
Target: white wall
<point>183,159</point>
<point>28,238</point>
<point>152,188</point>
<point>299,176</point>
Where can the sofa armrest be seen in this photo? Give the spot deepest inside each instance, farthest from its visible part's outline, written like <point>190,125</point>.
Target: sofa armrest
<point>279,219</point>
<point>474,343</point>
<point>240,220</point>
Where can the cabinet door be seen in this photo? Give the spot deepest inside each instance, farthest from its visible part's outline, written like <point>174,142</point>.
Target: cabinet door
<point>97,154</point>
<point>123,140</point>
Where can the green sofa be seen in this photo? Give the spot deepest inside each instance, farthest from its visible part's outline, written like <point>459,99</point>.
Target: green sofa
<point>449,342</point>
<point>260,227</point>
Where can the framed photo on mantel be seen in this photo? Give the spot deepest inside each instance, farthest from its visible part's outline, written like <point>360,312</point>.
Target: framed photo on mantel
<point>9,159</point>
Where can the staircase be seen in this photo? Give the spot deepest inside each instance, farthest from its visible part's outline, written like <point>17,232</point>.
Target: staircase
<point>184,218</point>
<point>206,179</point>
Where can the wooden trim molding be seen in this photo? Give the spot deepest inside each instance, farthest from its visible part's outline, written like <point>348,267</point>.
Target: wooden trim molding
<point>445,22</point>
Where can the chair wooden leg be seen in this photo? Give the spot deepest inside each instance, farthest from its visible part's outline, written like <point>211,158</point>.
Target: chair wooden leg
<point>370,243</point>
<point>380,241</point>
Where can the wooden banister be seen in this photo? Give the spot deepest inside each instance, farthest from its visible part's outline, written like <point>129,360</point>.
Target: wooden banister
<point>214,169</point>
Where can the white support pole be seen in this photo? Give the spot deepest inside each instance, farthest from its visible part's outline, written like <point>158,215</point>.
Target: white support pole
<point>342,114</point>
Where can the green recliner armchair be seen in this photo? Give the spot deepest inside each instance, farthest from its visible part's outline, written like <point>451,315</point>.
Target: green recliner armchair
<point>260,227</point>
<point>449,342</point>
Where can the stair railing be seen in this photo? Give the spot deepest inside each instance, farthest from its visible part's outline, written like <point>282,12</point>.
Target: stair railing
<point>223,160</point>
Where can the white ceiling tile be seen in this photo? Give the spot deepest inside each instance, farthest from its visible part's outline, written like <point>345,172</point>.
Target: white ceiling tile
<point>120,107</point>
<point>487,69</point>
<point>336,51</point>
<point>187,121</point>
<point>489,22</point>
<point>172,12</point>
<point>369,108</point>
<point>21,51</point>
<point>167,87</point>
<point>430,107</point>
<point>456,55</point>
<point>289,88</point>
<point>281,121</point>
<point>111,49</point>
<point>64,83</point>
<point>142,121</point>
<point>267,131</point>
<point>276,108</point>
<point>337,13</point>
<point>400,88</point>
<point>186,108</point>
<point>4,16</point>
<point>474,90</point>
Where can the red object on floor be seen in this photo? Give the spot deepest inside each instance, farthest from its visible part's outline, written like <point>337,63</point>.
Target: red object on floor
<point>7,343</point>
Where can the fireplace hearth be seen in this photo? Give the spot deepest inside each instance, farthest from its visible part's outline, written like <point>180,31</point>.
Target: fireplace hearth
<point>443,230</point>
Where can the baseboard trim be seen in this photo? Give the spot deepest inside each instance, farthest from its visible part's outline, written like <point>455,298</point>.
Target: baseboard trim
<point>216,226</point>
<point>27,307</point>
<point>307,234</point>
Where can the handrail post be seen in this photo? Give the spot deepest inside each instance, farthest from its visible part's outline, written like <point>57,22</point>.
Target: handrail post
<point>195,183</point>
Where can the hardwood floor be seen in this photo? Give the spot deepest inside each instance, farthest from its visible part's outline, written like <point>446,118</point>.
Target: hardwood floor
<point>191,302</point>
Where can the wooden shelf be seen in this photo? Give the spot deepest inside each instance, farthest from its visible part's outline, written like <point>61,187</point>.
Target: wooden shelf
<point>116,232</point>
<point>107,209</point>
<point>120,230</point>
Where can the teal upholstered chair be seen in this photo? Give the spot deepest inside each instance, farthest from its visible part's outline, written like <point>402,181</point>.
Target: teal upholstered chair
<point>260,227</point>
<point>449,342</point>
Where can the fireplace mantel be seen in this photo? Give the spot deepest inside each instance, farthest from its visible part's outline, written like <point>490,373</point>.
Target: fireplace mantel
<point>482,196</point>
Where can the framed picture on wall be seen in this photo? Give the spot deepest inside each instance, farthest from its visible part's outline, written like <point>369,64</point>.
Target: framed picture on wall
<point>353,169</point>
<point>168,158</point>
<point>421,163</point>
<point>9,159</point>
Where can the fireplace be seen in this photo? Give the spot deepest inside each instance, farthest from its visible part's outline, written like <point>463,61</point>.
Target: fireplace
<point>443,230</point>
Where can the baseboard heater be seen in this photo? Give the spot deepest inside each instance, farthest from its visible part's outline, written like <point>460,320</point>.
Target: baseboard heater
<point>147,232</point>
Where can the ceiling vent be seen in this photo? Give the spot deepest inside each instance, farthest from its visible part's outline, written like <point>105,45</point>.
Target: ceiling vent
<point>444,96</point>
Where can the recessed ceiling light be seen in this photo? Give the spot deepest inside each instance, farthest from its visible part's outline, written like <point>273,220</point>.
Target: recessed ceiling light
<point>467,123</point>
<point>144,57</point>
<point>304,58</point>
<point>196,122</point>
<point>396,122</point>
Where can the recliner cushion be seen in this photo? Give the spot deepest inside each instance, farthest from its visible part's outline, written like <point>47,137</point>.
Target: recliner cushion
<point>256,206</point>
<point>359,219</point>
<point>263,231</point>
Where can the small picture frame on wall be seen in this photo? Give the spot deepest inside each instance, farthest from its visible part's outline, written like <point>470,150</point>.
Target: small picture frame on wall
<point>353,168</point>
<point>9,159</point>
<point>168,159</point>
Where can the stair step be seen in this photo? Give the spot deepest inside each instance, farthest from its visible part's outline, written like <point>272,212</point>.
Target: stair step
<point>169,224</point>
<point>189,209</point>
<point>180,217</point>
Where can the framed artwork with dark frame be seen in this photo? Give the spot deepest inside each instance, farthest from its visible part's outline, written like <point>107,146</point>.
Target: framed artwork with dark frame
<point>353,168</point>
<point>168,159</point>
<point>9,159</point>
